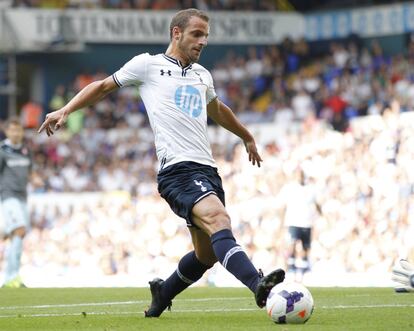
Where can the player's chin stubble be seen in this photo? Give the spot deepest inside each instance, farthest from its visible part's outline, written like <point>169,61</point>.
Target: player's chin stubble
<point>195,58</point>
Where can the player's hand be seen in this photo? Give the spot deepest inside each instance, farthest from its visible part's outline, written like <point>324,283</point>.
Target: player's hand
<point>53,121</point>
<point>403,274</point>
<point>251,149</point>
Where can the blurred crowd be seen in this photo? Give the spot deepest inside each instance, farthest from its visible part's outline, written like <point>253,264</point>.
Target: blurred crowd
<point>362,179</point>
<point>288,83</point>
<point>150,4</point>
<point>358,165</point>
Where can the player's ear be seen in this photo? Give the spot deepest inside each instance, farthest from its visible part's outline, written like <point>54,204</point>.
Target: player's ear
<point>176,32</point>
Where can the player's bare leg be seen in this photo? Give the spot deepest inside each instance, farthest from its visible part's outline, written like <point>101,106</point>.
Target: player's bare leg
<point>15,248</point>
<point>291,262</point>
<point>211,217</point>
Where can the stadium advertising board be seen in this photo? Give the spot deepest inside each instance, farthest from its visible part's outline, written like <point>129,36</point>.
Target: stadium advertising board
<point>34,26</point>
<point>34,29</point>
<point>366,22</point>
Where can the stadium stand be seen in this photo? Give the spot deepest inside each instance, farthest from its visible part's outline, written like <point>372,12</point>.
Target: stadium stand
<point>344,115</point>
<point>146,5</point>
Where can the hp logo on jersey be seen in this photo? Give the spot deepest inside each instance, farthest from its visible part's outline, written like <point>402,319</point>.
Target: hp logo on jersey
<point>188,99</point>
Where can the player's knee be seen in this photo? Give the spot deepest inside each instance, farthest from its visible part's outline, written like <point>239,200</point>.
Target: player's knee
<point>207,258</point>
<point>211,261</point>
<point>217,220</point>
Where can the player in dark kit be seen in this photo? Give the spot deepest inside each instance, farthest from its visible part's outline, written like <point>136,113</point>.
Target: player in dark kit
<point>178,95</point>
<point>15,166</point>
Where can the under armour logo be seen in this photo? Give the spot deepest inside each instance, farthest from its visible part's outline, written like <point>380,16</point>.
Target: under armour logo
<point>168,72</point>
<point>200,183</point>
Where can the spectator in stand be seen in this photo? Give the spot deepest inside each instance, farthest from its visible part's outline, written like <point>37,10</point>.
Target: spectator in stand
<point>302,105</point>
<point>58,99</point>
<point>31,115</point>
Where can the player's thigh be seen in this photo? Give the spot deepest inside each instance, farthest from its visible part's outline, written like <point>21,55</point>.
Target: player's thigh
<point>210,215</point>
<point>15,214</point>
<point>202,246</point>
<point>293,237</point>
<point>306,236</point>
<point>293,234</point>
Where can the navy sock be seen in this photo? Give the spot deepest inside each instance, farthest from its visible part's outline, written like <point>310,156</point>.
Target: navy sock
<point>189,270</point>
<point>234,259</point>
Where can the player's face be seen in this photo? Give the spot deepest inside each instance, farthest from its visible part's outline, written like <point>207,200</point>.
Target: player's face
<point>15,133</point>
<point>193,39</point>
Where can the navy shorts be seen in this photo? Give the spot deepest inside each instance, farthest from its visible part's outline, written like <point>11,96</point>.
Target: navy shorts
<point>302,234</point>
<point>185,183</point>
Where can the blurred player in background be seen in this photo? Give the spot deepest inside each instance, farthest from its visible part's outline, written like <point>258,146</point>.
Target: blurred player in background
<point>15,167</point>
<point>178,95</point>
<point>299,208</point>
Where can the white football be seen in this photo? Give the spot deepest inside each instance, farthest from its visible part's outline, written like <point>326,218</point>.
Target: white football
<point>289,303</point>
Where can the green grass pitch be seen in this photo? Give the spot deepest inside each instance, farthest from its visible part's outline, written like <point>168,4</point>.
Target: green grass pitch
<point>198,309</point>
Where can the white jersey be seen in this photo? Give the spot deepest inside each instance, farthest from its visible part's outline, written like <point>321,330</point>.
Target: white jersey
<point>299,202</point>
<point>176,99</point>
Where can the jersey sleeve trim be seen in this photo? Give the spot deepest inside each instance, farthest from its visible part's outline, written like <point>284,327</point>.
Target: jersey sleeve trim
<point>212,99</point>
<point>116,80</point>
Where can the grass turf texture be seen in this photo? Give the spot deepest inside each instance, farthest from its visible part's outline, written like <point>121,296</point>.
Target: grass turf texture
<point>198,309</point>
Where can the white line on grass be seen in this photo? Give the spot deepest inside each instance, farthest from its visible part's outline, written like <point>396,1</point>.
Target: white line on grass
<point>391,305</point>
<point>85,314</point>
<point>86,304</point>
<point>70,314</point>
<point>225,310</point>
<point>76,305</point>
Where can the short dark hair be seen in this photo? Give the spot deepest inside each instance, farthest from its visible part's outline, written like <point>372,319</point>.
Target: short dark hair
<point>183,16</point>
<point>14,120</point>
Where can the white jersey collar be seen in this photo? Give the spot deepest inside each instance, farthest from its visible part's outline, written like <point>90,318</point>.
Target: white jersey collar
<point>176,61</point>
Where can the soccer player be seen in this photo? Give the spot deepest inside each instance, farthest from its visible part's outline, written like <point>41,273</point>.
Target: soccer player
<point>298,201</point>
<point>15,167</point>
<point>178,95</point>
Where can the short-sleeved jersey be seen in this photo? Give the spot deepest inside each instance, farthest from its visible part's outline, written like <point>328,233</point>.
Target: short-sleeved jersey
<point>15,167</point>
<point>300,204</point>
<point>176,100</point>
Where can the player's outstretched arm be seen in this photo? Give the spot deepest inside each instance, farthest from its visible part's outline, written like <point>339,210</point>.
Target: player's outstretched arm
<point>403,274</point>
<point>89,95</point>
<point>223,116</point>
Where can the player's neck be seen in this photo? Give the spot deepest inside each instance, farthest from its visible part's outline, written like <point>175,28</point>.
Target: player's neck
<point>176,54</point>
